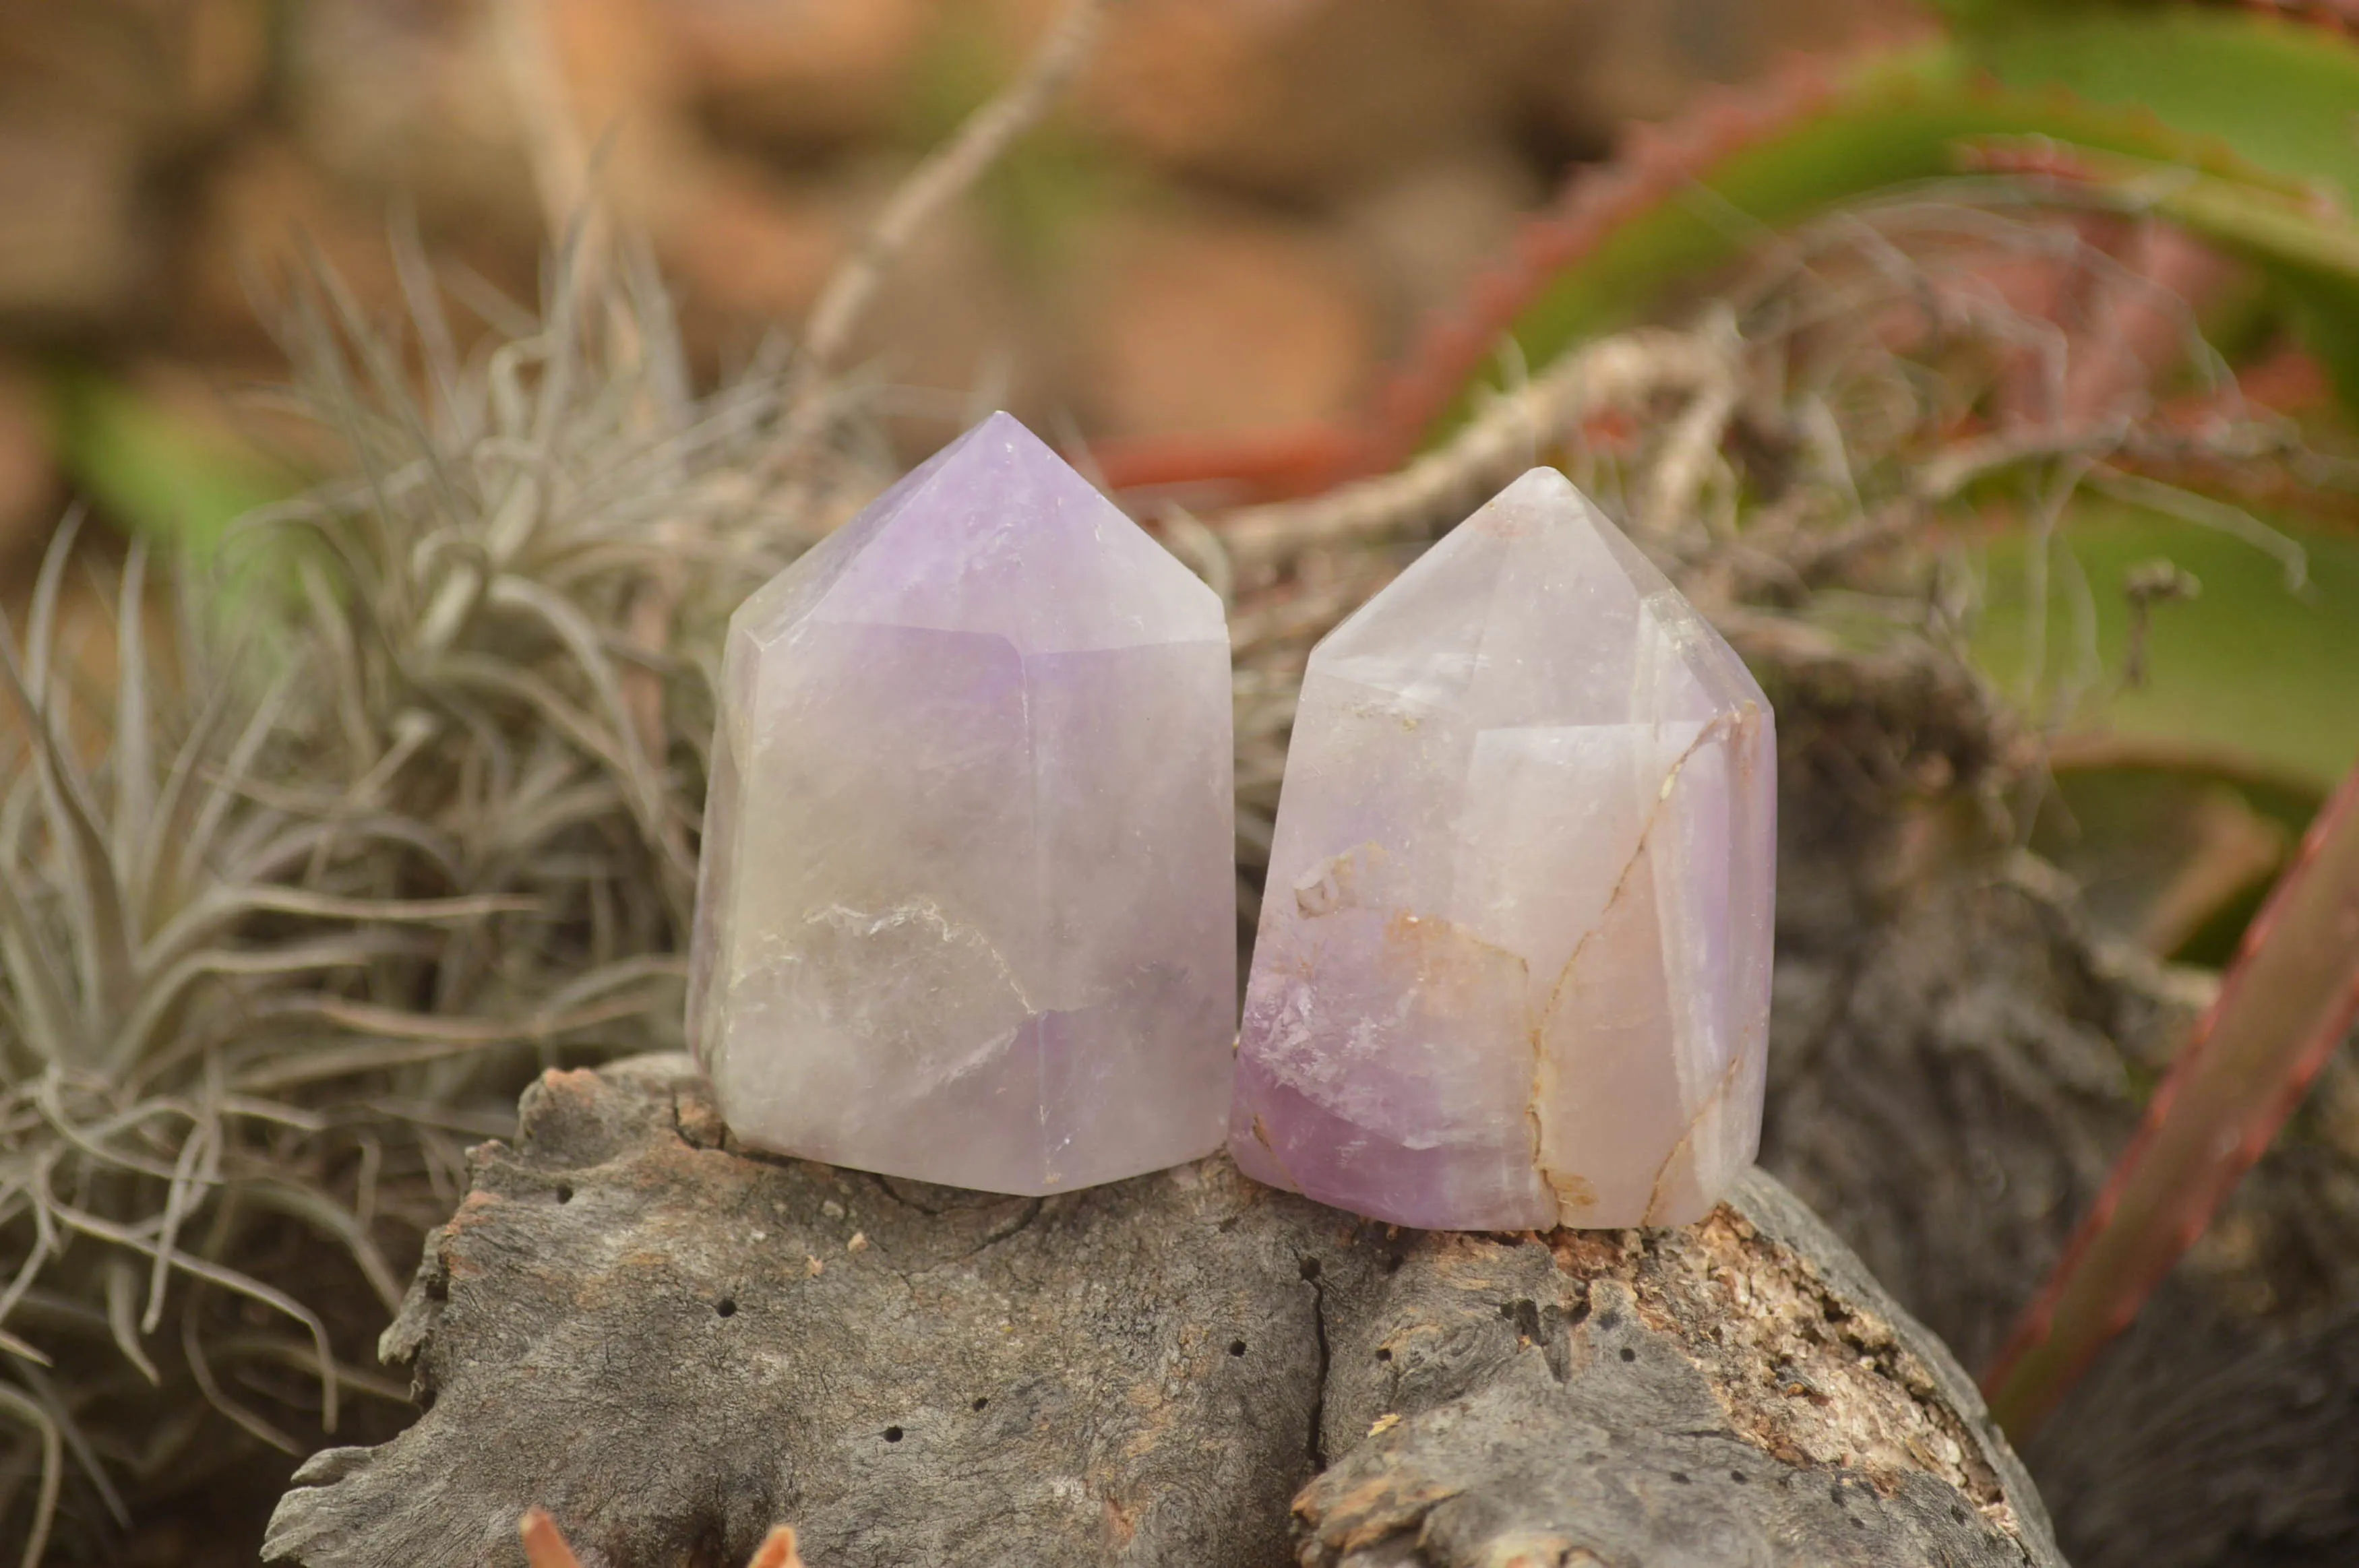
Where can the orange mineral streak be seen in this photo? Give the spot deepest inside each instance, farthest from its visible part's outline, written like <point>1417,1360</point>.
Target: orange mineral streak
<point>545,1546</point>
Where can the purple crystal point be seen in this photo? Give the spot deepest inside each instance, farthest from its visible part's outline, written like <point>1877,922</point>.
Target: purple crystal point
<point>1514,961</point>
<point>966,911</point>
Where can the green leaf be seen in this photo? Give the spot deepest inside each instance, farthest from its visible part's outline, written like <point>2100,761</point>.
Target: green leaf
<point>1890,122</point>
<point>155,472</point>
<point>2251,665</point>
<point>1710,194</point>
<point>2249,100</point>
<point>2280,92</point>
<point>2308,248</point>
<point>2171,851</point>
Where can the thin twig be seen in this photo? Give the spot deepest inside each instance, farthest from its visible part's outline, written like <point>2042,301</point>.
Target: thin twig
<point>1624,372</point>
<point>942,178</point>
<point>553,143</point>
<point>561,163</point>
<point>933,185</point>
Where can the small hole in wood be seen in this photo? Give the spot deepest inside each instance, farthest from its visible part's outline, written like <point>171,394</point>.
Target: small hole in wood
<point>1310,1268</point>
<point>1236,1346</point>
<point>725,1308</point>
<point>892,1435</point>
<point>1628,1354</point>
<point>1383,1353</point>
<point>565,1194</point>
<point>982,1400</point>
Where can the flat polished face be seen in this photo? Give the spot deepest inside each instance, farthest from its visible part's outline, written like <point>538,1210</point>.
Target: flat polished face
<point>1513,969</point>
<point>967,906</point>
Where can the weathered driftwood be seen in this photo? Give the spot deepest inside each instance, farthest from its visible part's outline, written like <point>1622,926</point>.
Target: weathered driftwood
<point>1955,1061</point>
<point>673,1345</point>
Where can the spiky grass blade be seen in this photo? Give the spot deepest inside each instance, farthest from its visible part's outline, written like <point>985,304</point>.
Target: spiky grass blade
<point>53,1464</point>
<point>2285,1006</point>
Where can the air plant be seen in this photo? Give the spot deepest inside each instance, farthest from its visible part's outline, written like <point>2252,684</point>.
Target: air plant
<point>177,945</point>
<point>411,801</point>
<point>404,796</point>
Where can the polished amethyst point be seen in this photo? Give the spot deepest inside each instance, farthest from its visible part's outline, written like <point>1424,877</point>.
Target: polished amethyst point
<point>1514,962</point>
<point>966,911</point>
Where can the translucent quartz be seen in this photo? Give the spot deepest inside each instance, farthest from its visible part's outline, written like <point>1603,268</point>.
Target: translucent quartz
<point>966,910</point>
<point>1514,961</point>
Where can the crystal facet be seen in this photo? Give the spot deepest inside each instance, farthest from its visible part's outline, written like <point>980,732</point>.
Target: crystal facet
<point>966,910</point>
<point>1514,962</point>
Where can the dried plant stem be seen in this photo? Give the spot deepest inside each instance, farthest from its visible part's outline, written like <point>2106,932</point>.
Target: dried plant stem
<point>553,144</point>
<point>279,901</point>
<point>562,162</point>
<point>933,185</point>
<point>1618,372</point>
<point>942,177</point>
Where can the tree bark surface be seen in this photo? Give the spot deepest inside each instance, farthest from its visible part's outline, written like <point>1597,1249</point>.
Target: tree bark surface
<point>673,1344</point>
<point>1956,1059</point>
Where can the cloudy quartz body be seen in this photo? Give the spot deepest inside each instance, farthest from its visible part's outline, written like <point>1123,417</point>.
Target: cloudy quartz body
<point>1513,969</point>
<point>966,910</point>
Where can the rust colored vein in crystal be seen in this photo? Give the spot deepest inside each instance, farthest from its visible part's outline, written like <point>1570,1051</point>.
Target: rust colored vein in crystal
<point>1505,1029</point>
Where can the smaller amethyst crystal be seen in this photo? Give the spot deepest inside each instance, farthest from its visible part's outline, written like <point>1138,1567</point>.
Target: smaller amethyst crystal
<point>1514,962</point>
<point>966,911</point>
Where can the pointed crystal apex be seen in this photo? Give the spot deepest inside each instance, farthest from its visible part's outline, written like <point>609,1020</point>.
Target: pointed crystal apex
<point>1512,966</point>
<point>966,911</point>
<point>1537,608</point>
<point>995,534</point>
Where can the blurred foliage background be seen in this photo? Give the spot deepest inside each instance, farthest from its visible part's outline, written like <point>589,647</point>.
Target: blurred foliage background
<point>1243,212</point>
